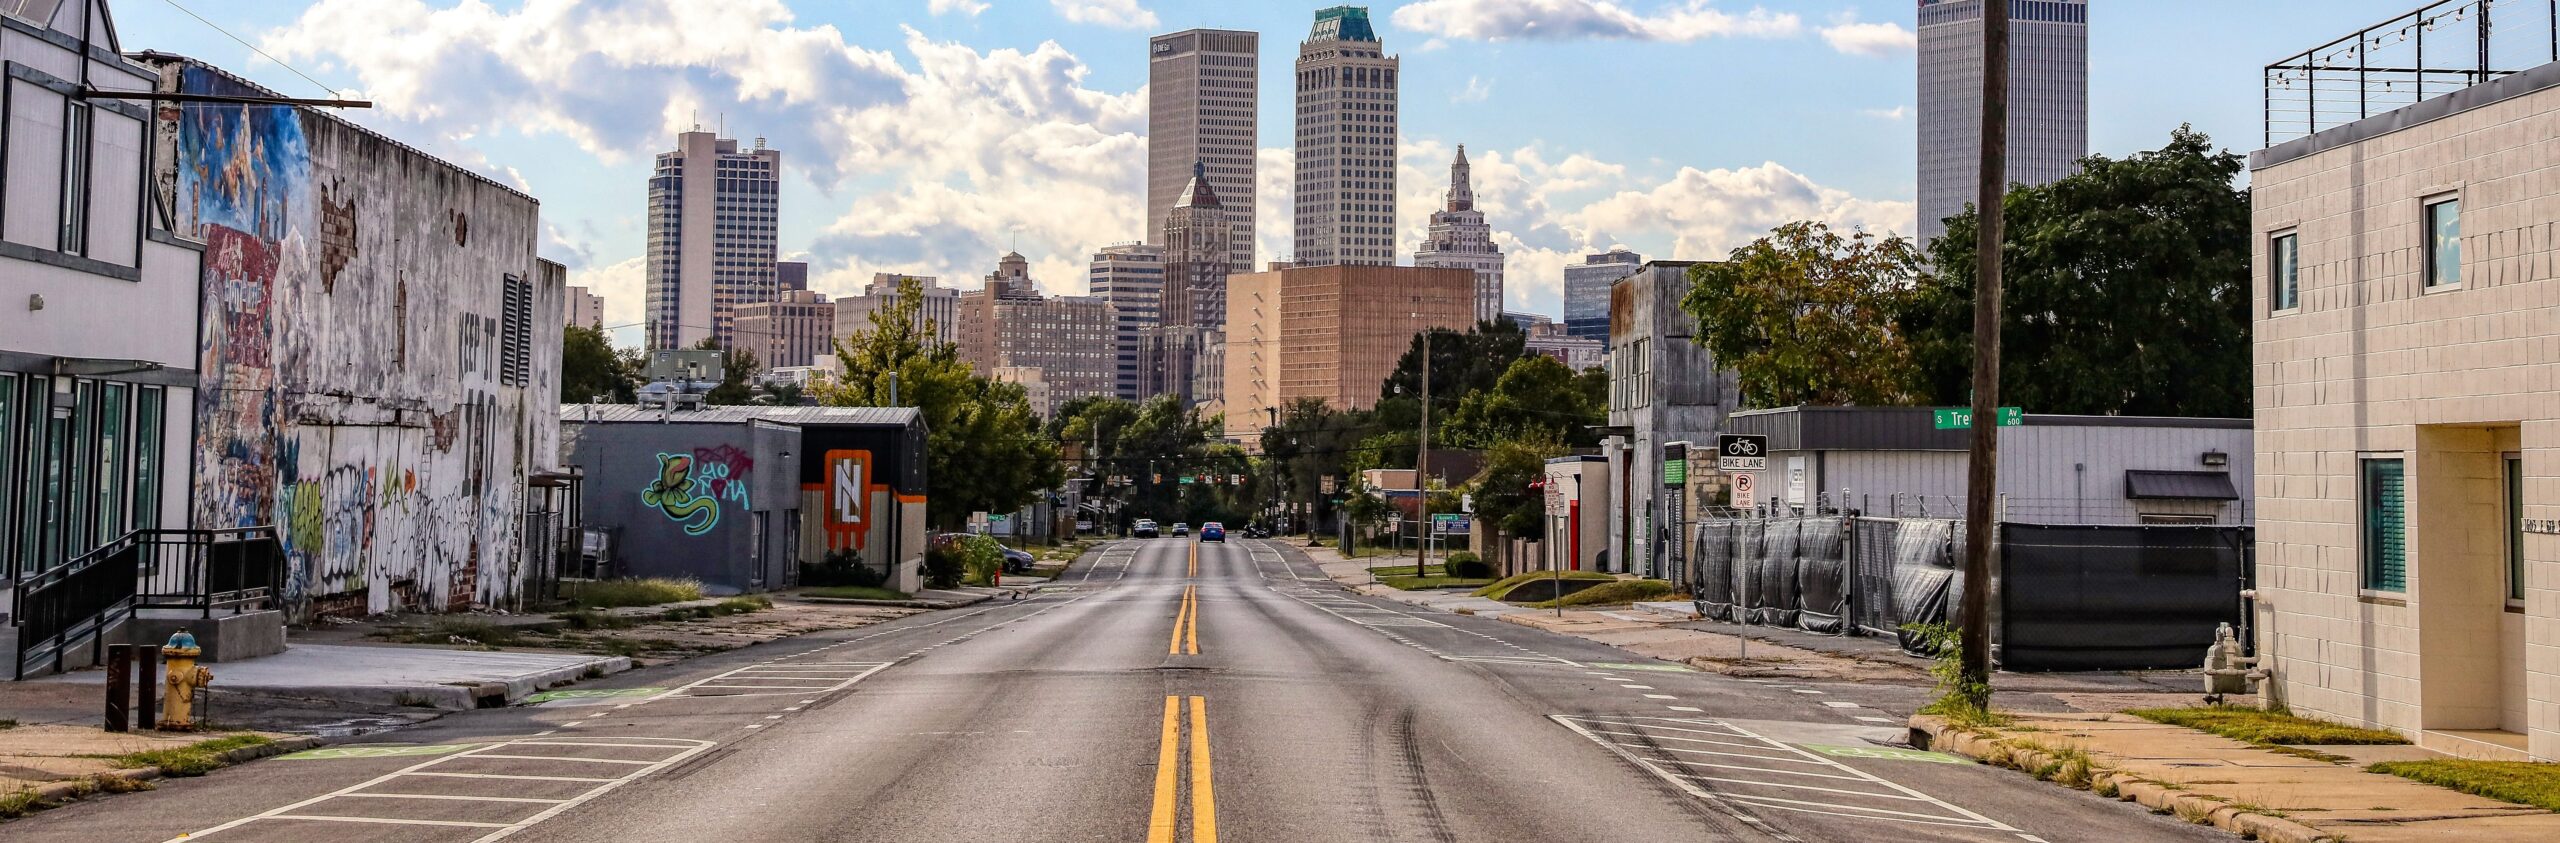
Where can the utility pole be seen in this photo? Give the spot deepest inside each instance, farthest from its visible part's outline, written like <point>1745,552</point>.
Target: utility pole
<point>1984,463</point>
<point>1422,466</point>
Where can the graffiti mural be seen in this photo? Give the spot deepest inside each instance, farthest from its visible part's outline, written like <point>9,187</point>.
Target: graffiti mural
<point>850,485</point>
<point>689,494</point>
<point>362,415</point>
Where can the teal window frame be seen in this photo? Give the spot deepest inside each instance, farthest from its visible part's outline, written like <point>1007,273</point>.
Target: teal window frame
<point>2515,530</point>
<point>2284,266</point>
<point>2383,497</point>
<point>10,413</point>
<point>2443,220</point>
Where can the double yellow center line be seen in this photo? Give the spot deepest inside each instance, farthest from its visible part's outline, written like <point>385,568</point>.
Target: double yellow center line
<point>1186,624</point>
<point>1204,802</point>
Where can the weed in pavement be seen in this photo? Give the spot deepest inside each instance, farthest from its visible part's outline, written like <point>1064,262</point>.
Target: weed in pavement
<point>194,759</point>
<point>608,594</point>
<point>2264,727</point>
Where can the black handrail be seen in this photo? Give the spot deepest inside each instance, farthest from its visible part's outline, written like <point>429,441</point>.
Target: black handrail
<point>144,569</point>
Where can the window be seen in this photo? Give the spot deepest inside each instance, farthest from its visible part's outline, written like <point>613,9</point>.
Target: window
<point>148,439</point>
<point>8,460</point>
<point>2284,265</point>
<point>2515,530</point>
<point>2444,243</point>
<point>74,238</point>
<point>2386,549</point>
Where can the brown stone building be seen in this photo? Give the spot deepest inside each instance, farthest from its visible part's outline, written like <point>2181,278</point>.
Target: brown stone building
<point>1068,341</point>
<point>1331,332</point>
<point>788,331</point>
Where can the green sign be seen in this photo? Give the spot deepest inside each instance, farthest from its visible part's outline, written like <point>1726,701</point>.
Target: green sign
<point>1961,418</point>
<point>1675,472</point>
<point>334,753</point>
<point>1659,667</point>
<point>599,693</point>
<point>1186,480</point>
<point>1886,753</point>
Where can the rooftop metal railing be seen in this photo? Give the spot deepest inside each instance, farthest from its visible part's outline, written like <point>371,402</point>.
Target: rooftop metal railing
<point>2440,48</point>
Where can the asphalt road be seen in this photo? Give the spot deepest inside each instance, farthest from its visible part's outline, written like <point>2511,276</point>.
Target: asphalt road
<point>1168,692</point>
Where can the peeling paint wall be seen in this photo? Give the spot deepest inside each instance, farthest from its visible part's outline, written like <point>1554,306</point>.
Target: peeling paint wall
<point>380,351</point>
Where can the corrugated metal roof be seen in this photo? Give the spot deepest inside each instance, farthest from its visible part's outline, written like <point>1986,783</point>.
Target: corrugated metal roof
<point>734,414</point>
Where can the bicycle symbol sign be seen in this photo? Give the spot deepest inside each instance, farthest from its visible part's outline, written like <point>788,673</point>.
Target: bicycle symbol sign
<point>1742,452</point>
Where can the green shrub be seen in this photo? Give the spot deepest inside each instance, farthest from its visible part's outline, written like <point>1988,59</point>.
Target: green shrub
<point>982,558</point>
<point>944,565</point>
<point>608,594</point>
<point>841,567</point>
<point>1466,565</point>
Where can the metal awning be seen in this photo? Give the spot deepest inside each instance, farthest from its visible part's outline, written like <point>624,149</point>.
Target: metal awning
<point>2180,485</point>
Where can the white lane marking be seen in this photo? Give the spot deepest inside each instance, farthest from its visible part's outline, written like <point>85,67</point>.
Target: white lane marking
<point>1660,697</point>
<point>682,748</point>
<point>1682,708</point>
<point>1839,704</point>
<point>1638,687</point>
<point>568,758</point>
<point>1876,719</point>
<point>1804,690</point>
<point>449,797</point>
<point>1668,764</point>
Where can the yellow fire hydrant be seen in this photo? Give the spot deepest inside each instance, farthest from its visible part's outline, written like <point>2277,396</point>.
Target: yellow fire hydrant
<point>184,678</point>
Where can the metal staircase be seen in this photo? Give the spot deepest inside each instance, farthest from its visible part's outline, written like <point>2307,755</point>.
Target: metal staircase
<point>80,603</point>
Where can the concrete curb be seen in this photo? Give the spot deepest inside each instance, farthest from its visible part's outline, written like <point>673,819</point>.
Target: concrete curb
<point>56,793</point>
<point>1933,733</point>
<point>895,604</point>
<point>438,697</point>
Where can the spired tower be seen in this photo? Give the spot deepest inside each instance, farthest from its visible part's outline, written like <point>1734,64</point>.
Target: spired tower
<point>1193,330</point>
<point>1461,238</point>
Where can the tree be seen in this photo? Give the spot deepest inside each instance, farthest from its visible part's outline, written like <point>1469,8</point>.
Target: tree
<point>1536,398</point>
<point>785,394</point>
<point>985,449</point>
<point>1308,442</point>
<point>589,368</point>
<point>1460,362</point>
<point>1806,316</point>
<point>737,365</point>
<point>2126,290</point>
<point>1504,490</point>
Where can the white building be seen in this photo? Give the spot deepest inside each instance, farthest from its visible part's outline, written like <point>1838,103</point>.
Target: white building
<point>1346,144</point>
<point>1131,277</point>
<point>1461,238</point>
<point>939,314</point>
<point>1203,107</point>
<point>711,237</point>
<point>83,265</point>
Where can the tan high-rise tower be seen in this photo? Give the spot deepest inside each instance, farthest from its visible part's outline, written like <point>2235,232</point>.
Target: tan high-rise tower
<point>1346,144</point>
<point>1202,102</point>
<point>711,237</point>
<point>1461,238</point>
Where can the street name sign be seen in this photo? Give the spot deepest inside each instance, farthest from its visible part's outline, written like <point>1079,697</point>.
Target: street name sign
<point>1961,418</point>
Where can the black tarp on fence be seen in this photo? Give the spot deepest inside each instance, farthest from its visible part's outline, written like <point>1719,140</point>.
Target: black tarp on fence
<point>2117,597</point>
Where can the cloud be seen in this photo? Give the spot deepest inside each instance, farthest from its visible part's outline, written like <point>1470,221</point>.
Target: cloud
<point>1847,35</point>
<point>1124,14</point>
<point>623,285</point>
<point>1898,112</point>
<point>1559,20</point>
<point>952,149</point>
<point>1477,90</point>
<point>966,7</point>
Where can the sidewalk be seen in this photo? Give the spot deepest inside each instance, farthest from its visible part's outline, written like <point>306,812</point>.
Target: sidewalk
<point>2242,788</point>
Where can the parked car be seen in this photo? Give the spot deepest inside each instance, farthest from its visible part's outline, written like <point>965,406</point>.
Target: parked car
<point>1145,529</point>
<point>1213,532</point>
<point>1017,560</point>
<point>1181,528</point>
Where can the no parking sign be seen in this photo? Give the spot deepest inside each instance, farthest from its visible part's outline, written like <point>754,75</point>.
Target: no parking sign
<point>1745,489</point>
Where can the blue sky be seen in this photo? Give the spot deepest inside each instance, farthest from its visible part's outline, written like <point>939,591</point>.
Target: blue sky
<point>928,135</point>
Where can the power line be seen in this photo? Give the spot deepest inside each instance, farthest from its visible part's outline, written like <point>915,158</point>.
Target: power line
<point>254,48</point>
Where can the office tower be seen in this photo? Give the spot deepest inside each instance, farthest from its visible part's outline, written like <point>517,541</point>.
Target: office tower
<point>939,311</point>
<point>1346,144</point>
<point>788,331</point>
<point>1194,310</point>
<point>585,309</point>
<point>1069,340</point>
<point>1586,291</point>
<point>1203,98</point>
<point>789,276</point>
<point>711,237</point>
<point>1332,333</point>
<point>1131,277</point>
<point>2048,99</point>
<point>1461,238</point>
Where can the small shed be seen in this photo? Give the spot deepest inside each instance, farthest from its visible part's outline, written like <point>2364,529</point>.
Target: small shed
<point>705,496</point>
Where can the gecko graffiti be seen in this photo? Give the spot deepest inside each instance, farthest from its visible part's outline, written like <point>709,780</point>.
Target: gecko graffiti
<point>689,493</point>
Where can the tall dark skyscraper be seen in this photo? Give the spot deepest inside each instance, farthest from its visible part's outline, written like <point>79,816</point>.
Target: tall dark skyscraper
<point>1203,92</point>
<point>2048,99</point>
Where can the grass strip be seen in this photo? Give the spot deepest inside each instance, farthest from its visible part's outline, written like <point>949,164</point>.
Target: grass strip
<point>1614,593</point>
<point>1502,587</point>
<point>1413,583</point>
<point>609,594</point>
<point>856,592</point>
<point>2520,782</point>
<point>2265,728</point>
<point>194,759</point>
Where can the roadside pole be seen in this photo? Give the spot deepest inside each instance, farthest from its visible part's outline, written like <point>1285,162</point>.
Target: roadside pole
<point>1984,462</point>
<point>1422,466</point>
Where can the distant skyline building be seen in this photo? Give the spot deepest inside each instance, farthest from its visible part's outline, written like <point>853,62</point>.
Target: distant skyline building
<point>585,309</point>
<point>940,312</point>
<point>1194,314</point>
<point>1345,178</point>
<point>1586,291</point>
<point>789,276</point>
<point>789,331</point>
<point>1203,107</point>
<point>1332,333</point>
<point>2048,99</point>
<point>1131,277</point>
<point>712,228</point>
<point>1461,238</point>
<point>1009,325</point>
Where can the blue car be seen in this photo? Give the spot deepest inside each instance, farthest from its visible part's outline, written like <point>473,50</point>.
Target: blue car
<point>1213,532</point>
